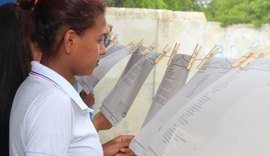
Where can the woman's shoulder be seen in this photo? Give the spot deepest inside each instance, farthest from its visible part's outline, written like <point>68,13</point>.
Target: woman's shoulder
<point>51,101</point>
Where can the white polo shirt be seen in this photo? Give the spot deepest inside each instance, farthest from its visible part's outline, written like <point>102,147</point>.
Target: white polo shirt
<point>48,117</point>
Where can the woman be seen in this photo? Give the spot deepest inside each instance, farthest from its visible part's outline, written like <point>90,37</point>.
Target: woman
<point>48,116</point>
<point>13,66</point>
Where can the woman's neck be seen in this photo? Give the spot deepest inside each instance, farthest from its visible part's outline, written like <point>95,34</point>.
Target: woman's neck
<point>59,66</point>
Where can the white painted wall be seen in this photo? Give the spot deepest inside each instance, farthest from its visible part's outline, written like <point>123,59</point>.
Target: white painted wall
<point>168,27</point>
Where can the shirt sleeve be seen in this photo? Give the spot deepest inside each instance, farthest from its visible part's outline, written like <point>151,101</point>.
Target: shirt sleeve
<point>48,125</point>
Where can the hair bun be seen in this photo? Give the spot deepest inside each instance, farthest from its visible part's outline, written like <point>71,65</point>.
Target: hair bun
<point>26,4</point>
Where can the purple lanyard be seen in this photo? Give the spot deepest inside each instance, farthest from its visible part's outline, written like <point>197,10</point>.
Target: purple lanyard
<point>38,75</point>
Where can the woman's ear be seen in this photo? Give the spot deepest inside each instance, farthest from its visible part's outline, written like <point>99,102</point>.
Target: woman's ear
<point>69,40</point>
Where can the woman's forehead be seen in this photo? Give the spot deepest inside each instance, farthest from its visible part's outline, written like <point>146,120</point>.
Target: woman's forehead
<point>100,20</point>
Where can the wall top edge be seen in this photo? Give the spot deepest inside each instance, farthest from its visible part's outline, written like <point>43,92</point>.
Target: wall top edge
<point>140,13</point>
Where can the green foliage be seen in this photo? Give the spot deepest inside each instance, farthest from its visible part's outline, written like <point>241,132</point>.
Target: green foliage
<point>155,4</point>
<point>239,11</point>
<point>183,5</point>
<point>115,3</point>
<point>227,12</point>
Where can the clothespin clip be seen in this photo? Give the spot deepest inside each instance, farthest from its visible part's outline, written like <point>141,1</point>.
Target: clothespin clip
<point>152,47</point>
<point>136,46</point>
<point>163,53</point>
<point>193,57</point>
<point>131,44</point>
<point>174,52</point>
<point>212,53</point>
<point>114,39</point>
<point>260,52</point>
<point>244,58</point>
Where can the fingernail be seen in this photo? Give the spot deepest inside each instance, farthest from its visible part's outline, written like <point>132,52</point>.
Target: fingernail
<point>122,150</point>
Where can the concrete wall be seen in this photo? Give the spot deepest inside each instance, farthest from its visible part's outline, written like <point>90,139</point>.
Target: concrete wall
<point>237,39</point>
<point>168,27</point>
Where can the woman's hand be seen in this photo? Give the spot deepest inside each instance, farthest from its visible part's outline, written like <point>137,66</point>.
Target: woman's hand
<point>118,146</point>
<point>89,99</point>
<point>108,29</point>
<point>101,122</point>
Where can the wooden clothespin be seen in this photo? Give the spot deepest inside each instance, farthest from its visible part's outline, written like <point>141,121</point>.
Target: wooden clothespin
<point>114,39</point>
<point>244,58</point>
<point>194,55</point>
<point>136,46</point>
<point>260,52</point>
<point>163,53</point>
<point>152,47</point>
<point>174,52</point>
<point>131,44</point>
<point>212,53</point>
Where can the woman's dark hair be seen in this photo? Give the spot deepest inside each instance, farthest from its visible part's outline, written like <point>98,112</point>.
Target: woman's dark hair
<point>49,17</point>
<point>14,66</point>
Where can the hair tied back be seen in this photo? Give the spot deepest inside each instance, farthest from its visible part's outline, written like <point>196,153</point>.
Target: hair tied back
<point>27,4</point>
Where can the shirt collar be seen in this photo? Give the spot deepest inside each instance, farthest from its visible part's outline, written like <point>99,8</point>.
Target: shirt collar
<point>61,82</point>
